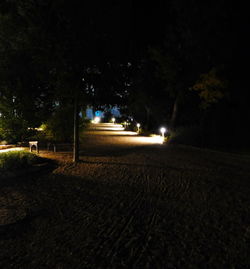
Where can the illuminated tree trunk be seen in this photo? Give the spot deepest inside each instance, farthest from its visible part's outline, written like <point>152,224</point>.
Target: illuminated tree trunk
<point>76,131</point>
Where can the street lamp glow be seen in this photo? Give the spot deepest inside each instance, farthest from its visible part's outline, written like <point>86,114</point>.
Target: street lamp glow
<point>113,120</point>
<point>126,124</point>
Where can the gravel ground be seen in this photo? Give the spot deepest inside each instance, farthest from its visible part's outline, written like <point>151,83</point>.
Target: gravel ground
<point>129,203</point>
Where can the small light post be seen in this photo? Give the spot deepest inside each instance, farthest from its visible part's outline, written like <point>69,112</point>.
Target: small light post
<point>138,127</point>
<point>163,130</point>
<point>97,119</point>
<point>113,120</point>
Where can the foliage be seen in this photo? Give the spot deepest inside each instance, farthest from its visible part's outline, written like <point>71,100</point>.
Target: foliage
<point>146,102</point>
<point>17,160</point>
<point>166,68</point>
<point>108,85</point>
<point>47,49</point>
<point>59,126</point>
<point>211,88</point>
<point>25,95</point>
<point>51,52</point>
<point>189,48</point>
<point>13,129</point>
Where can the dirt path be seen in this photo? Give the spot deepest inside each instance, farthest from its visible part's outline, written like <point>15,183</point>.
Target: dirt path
<point>131,204</point>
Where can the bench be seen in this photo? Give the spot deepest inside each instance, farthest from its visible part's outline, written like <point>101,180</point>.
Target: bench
<point>34,144</point>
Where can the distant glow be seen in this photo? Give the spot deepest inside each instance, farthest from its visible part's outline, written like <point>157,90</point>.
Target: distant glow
<point>113,120</point>
<point>98,113</point>
<point>110,128</point>
<point>107,127</point>
<point>111,132</point>
<point>37,128</point>
<point>96,120</point>
<point>11,149</point>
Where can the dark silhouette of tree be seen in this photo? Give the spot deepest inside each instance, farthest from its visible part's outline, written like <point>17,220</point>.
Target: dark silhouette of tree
<point>196,40</point>
<point>62,40</point>
<point>98,51</point>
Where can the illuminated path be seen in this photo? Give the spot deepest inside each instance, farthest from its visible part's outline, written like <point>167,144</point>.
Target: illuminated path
<point>112,137</point>
<point>130,203</point>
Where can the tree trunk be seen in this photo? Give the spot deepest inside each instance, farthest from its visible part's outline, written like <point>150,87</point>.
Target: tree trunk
<point>147,125</point>
<point>76,131</point>
<point>174,113</point>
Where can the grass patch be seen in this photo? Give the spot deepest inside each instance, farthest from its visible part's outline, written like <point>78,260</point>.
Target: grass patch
<point>17,160</point>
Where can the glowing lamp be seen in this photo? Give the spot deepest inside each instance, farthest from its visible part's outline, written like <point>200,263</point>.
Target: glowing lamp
<point>96,120</point>
<point>162,130</point>
<point>113,120</point>
<point>138,127</point>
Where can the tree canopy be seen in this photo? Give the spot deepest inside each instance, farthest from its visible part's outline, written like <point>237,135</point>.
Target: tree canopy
<point>162,61</point>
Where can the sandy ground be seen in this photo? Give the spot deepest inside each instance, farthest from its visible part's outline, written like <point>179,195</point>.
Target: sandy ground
<point>130,203</point>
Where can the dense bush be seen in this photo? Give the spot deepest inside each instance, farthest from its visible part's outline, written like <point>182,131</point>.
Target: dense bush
<point>13,130</point>
<point>17,160</point>
<point>59,127</point>
<point>58,130</point>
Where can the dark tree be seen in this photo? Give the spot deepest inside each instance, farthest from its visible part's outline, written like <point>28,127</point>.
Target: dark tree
<point>62,40</point>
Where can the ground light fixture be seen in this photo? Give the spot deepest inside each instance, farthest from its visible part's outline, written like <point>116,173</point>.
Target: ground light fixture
<point>162,130</point>
<point>96,120</point>
<point>138,127</point>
